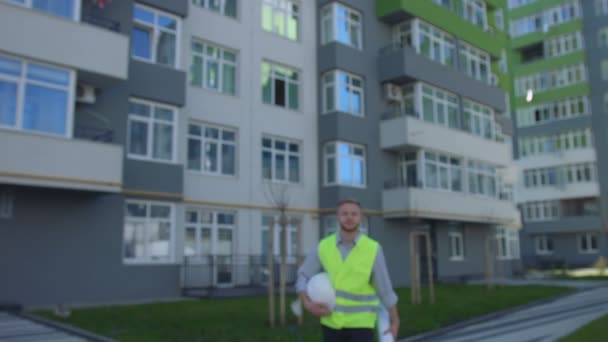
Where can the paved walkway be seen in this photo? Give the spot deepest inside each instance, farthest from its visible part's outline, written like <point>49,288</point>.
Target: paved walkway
<point>17,329</point>
<point>540,323</point>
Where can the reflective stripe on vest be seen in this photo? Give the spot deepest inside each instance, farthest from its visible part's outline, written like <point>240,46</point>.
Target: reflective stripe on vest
<point>356,299</point>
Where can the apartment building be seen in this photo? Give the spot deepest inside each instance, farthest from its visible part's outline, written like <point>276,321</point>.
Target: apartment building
<point>557,59</point>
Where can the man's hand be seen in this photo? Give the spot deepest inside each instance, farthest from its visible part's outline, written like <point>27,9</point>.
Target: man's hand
<point>394,328</point>
<point>317,309</point>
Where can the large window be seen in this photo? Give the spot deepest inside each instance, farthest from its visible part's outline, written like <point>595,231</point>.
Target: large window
<point>155,36</point>
<point>69,9</point>
<point>224,7</point>
<point>427,40</point>
<point>507,241</point>
<point>281,160</point>
<point>281,17</point>
<point>148,232</point>
<point>343,92</point>
<point>475,62</point>
<point>478,119</point>
<point>344,164</point>
<point>553,79</point>
<point>560,175</point>
<point>541,211</point>
<point>474,11</point>
<point>543,21</point>
<point>292,236</point>
<point>564,44</point>
<point>36,97</point>
<point>280,85</point>
<point>211,149</point>
<point>213,67</point>
<point>152,131</point>
<point>551,111</point>
<point>482,179</point>
<point>209,232</point>
<point>341,24</point>
<point>564,141</point>
<point>439,106</point>
<point>587,243</point>
<point>443,172</point>
<point>544,245</point>
<point>456,237</point>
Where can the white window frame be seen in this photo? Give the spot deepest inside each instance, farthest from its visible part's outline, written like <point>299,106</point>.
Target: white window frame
<point>155,30</point>
<point>541,211</point>
<point>563,44</point>
<point>519,3</point>
<point>553,111</point>
<point>331,79</point>
<point>222,9</point>
<point>482,115</point>
<point>563,141</point>
<point>147,221</point>
<point>456,238</point>
<point>221,61</point>
<point>467,54</point>
<point>554,79</point>
<point>338,166</point>
<point>284,8</point>
<point>587,237</point>
<point>150,124</point>
<point>499,19</point>
<point>484,172</point>
<point>22,81</point>
<point>541,244</point>
<point>271,76</point>
<point>331,16</point>
<point>443,163</point>
<point>287,154</point>
<point>510,250</point>
<point>477,6</point>
<point>437,39</point>
<point>214,226</point>
<point>28,4</point>
<point>292,231</point>
<point>219,142</point>
<point>439,97</point>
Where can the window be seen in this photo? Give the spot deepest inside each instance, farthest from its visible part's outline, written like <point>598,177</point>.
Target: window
<point>526,25</point>
<point>475,63</point>
<point>518,3</point>
<point>6,204</point>
<point>456,238</point>
<point>213,68</point>
<point>478,119</point>
<point>543,21</point>
<point>566,174</point>
<point>541,211</point>
<point>281,17</point>
<point>474,11</point>
<point>280,160</point>
<point>292,236</point>
<point>341,24</point>
<point>148,232</point>
<point>507,240</point>
<point>209,232</point>
<point>544,245</point>
<point>605,69</point>
<point>439,106</point>
<point>155,36</point>
<point>564,44</point>
<point>499,19</point>
<point>330,225</point>
<point>587,243</point>
<point>343,92</point>
<point>445,3</point>
<point>36,97</point>
<point>569,140</point>
<point>435,44</point>
<point>211,149</point>
<point>482,179</point>
<point>224,7</point>
<point>280,86</point>
<point>344,164</point>
<point>552,111</point>
<point>152,131</point>
<point>443,172</point>
<point>601,7</point>
<point>553,79</point>
<point>602,37</point>
<point>69,9</point>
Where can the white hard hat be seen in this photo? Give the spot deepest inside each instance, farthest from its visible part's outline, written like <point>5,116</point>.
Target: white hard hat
<point>320,290</point>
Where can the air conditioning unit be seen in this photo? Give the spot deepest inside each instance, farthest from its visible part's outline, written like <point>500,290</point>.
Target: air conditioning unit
<point>85,93</point>
<point>392,92</point>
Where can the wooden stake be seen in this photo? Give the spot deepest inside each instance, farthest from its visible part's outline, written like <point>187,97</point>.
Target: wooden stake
<point>429,260</point>
<point>412,270</point>
<point>299,260</point>
<point>271,273</point>
<point>283,269</point>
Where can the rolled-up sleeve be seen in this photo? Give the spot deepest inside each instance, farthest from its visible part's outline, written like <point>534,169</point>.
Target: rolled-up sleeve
<point>310,267</point>
<point>382,281</point>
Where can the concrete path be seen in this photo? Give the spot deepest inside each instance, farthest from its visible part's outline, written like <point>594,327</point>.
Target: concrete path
<point>17,329</point>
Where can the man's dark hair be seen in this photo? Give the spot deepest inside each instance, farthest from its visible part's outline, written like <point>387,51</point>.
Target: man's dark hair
<point>348,201</point>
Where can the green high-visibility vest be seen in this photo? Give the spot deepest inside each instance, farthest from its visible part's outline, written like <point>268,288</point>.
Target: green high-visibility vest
<point>356,299</point>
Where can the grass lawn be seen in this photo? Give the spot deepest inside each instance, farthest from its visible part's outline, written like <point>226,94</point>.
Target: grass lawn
<point>594,331</point>
<point>245,319</point>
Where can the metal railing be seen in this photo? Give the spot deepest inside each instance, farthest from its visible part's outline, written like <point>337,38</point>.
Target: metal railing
<point>100,21</point>
<point>94,133</point>
<point>218,271</point>
<point>398,113</point>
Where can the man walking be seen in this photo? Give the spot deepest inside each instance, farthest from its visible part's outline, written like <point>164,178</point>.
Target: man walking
<point>357,268</point>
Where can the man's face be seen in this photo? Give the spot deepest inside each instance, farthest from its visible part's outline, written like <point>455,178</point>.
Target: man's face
<point>349,217</point>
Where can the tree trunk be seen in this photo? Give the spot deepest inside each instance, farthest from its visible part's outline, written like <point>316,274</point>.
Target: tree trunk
<point>283,271</point>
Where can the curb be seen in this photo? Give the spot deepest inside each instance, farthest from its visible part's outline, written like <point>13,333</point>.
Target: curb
<point>89,336</point>
<point>428,336</point>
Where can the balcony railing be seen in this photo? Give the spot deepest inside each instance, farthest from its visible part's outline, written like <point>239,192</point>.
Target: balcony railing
<point>100,21</point>
<point>94,133</point>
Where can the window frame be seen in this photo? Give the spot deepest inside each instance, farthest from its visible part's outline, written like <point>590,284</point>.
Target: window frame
<point>76,6</point>
<point>155,30</point>
<point>206,5</point>
<point>171,258</point>
<point>543,245</point>
<point>456,238</point>
<point>287,154</point>
<point>332,17</point>
<point>352,157</point>
<point>220,142</point>
<point>337,86</point>
<point>221,63</point>
<point>272,77</point>
<point>287,12</point>
<point>587,238</point>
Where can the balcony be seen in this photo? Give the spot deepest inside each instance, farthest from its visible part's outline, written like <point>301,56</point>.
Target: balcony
<point>47,161</point>
<point>575,224</point>
<point>404,65</point>
<point>557,158</point>
<point>558,192</point>
<point>401,131</point>
<point>417,202</point>
<point>88,48</point>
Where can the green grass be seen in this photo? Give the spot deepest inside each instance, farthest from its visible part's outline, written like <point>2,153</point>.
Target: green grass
<point>594,331</point>
<point>246,319</point>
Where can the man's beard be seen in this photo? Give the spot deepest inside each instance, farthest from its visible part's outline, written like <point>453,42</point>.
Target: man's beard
<point>349,230</point>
